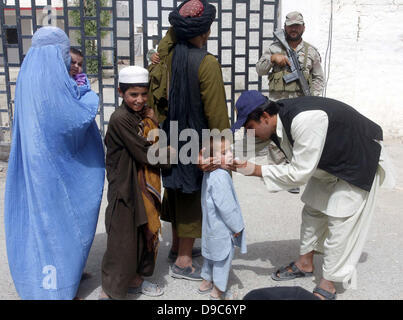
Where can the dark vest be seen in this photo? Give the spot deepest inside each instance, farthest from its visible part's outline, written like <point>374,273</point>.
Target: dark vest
<point>196,120</point>
<point>350,152</point>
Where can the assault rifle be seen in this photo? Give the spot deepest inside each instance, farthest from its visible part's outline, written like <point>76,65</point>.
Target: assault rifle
<point>296,70</point>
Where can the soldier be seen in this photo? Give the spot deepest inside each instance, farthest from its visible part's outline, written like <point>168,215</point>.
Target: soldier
<point>274,62</point>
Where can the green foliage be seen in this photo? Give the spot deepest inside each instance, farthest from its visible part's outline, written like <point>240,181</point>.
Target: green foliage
<point>90,29</point>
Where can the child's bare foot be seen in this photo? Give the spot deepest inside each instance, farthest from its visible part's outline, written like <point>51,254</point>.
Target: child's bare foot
<point>205,287</point>
<point>216,294</point>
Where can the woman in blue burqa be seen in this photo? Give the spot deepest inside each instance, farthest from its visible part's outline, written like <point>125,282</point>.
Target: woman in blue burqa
<point>55,173</point>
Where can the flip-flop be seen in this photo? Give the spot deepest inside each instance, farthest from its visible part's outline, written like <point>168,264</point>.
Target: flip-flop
<point>205,291</point>
<point>325,294</point>
<point>147,288</point>
<point>186,273</point>
<point>227,295</point>
<point>284,274</point>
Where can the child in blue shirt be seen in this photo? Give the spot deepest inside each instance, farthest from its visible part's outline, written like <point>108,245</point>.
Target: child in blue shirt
<point>222,227</point>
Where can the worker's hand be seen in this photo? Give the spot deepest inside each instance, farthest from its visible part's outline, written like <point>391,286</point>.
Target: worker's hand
<point>155,58</point>
<point>207,164</point>
<point>280,60</point>
<point>244,167</point>
<point>228,166</point>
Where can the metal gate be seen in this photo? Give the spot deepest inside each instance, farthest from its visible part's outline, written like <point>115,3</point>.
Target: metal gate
<point>114,40</point>
<point>241,30</point>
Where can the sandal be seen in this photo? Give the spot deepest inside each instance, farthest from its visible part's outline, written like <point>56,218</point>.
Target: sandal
<point>284,274</point>
<point>205,291</point>
<point>172,256</point>
<point>227,295</point>
<point>186,273</point>
<point>325,294</point>
<point>147,288</point>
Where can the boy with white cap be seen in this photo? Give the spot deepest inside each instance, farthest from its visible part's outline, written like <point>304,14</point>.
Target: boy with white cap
<point>132,216</point>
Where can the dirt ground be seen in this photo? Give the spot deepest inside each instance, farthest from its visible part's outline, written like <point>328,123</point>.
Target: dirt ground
<point>272,226</point>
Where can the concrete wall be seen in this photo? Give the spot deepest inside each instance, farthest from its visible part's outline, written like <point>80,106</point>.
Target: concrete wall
<point>366,66</point>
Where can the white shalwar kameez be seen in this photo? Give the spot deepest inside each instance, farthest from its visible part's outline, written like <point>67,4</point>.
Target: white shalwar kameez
<point>337,215</point>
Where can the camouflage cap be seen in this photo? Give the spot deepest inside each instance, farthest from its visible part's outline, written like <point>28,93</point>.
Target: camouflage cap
<point>294,18</point>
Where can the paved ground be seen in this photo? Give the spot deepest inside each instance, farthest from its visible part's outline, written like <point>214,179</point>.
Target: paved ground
<point>272,224</point>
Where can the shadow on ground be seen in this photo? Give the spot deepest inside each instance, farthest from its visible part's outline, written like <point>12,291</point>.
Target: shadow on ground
<point>262,259</point>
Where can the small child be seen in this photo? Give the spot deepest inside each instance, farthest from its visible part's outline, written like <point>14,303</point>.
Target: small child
<point>76,67</point>
<point>222,227</point>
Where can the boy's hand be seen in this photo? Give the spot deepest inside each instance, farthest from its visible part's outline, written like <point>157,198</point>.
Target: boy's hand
<point>148,112</point>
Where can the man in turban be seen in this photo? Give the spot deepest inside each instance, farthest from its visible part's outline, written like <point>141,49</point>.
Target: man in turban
<point>196,101</point>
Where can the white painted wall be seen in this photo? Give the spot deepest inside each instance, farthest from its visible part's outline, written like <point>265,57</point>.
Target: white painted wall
<point>367,54</point>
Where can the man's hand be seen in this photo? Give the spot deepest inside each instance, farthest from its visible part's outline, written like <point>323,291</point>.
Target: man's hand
<point>155,58</point>
<point>207,164</point>
<point>248,168</point>
<point>233,165</point>
<point>280,60</point>
<point>236,235</point>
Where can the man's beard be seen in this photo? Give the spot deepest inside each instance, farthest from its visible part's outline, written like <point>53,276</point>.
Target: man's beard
<point>297,38</point>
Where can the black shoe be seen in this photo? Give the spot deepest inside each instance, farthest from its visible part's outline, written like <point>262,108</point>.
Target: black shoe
<point>172,256</point>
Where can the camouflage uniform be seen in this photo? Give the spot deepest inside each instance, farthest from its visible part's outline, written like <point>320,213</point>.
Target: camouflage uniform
<point>310,61</point>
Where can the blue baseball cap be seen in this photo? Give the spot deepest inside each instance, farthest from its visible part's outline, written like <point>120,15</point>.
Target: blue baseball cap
<point>247,102</point>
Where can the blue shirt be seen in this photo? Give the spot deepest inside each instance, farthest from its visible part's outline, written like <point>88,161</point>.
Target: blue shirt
<point>222,216</point>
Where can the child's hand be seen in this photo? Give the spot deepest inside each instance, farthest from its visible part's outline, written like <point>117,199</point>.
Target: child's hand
<point>80,79</point>
<point>148,112</point>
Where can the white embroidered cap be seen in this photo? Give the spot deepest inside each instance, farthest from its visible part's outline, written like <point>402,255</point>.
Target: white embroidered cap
<point>134,75</point>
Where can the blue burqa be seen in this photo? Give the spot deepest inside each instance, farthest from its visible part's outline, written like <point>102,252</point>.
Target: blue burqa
<point>55,173</point>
